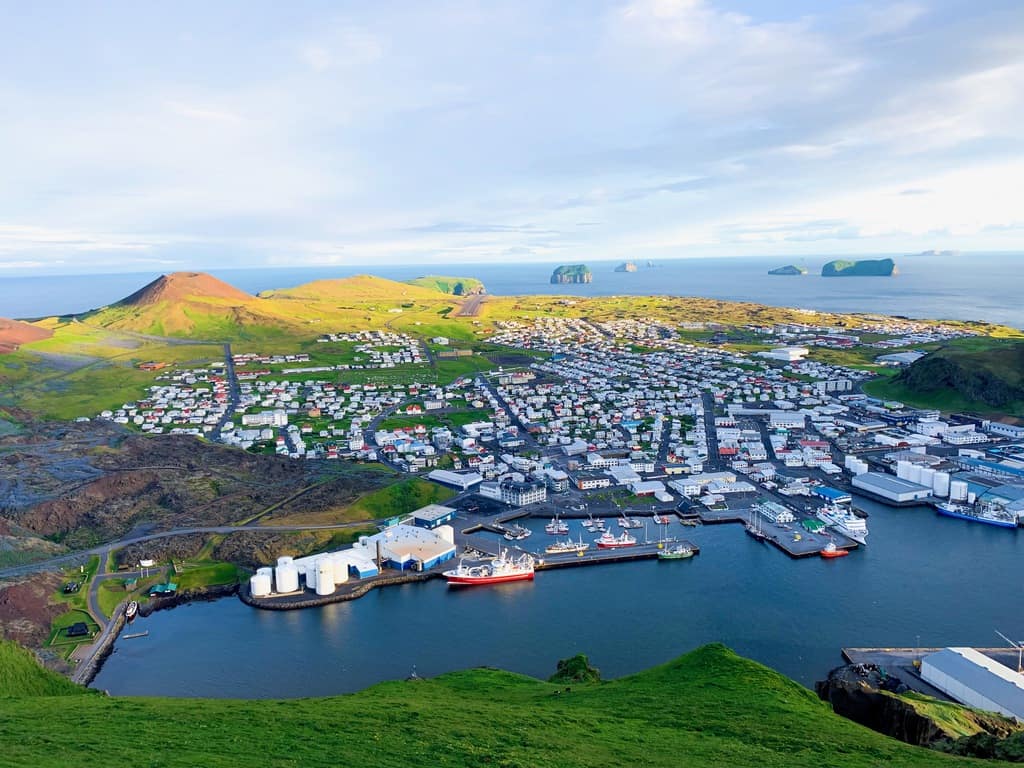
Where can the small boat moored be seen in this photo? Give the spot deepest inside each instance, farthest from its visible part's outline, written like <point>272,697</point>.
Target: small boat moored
<point>678,552</point>
<point>831,550</point>
<point>131,610</point>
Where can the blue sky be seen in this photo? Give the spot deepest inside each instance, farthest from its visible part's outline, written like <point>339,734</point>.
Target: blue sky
<point>202,135</point>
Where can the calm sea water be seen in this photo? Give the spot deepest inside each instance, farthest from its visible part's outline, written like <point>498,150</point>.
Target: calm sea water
<point>942,581</point>
<point>965,287</point>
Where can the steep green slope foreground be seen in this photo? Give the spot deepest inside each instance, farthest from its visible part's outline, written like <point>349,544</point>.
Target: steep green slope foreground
<point>707,708</point>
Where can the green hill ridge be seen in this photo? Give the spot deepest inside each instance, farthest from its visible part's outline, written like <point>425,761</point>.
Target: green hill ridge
<point>454,286</point>
<point>862,268</point>
<point>707,708</point>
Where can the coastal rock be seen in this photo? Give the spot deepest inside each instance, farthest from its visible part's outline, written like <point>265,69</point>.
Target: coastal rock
<point>862,268</point>
<point>868,695</point>
<point>789,269</point>
<point>626,266</point>
<point>572,273</point>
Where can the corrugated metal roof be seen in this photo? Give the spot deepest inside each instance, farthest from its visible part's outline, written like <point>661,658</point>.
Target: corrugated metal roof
<point>872,480</point>
<point>988,677</point>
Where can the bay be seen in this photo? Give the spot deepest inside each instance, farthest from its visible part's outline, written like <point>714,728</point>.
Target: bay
<point>921,579</point>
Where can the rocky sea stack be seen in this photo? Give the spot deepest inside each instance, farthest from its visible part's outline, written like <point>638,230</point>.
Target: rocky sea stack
<point>572,273</point>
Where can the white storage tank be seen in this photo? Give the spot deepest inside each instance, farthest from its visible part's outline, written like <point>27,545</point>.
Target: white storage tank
<point>286,576</point>
<point>940,484</point>
<point>927,477</point>
<point>259,584</point>
<point>915,474</point>
<point>971,497</point>
<point>446,533</point>
<point>903,469</point>
<point>957,490</point>
<point>340,568</point>
<point>324,576</point>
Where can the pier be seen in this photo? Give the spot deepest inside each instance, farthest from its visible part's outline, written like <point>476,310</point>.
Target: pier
<point>592,556</point>
<point>791,538</point>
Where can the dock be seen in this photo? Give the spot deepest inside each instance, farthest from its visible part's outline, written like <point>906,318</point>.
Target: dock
<point>593,556</point>
<point>901,662</point>
<point>791,538</point>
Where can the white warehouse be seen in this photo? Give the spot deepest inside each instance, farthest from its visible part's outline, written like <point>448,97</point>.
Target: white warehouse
<point>972,678</point>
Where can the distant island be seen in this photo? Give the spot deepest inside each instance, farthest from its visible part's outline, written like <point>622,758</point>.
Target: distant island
<point>862,268</point>
<point>626,266</point>
<point>572,273</point>
<point>933,253</point>
<point>789,269</point>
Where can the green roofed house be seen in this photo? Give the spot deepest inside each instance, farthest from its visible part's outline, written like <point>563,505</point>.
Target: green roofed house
<point>163,590</point>
<point>812,525</point>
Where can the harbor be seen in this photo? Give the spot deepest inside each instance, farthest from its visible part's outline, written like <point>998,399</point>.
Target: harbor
<point>793,539</point>
<point>791,615</point>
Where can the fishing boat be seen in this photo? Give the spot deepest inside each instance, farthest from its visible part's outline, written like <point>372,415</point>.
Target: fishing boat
<point>610,541</point>
<point>630,522</point>
<point>831,550</point>
<point>661,519</point>
<point>557,527</point>
<point>986,513</point>
<point>517,533</point>
<point>567,546</point>
<point>678,552</point>
<point>844,521</point>
<point>131,610</point>
<point>501,569</point>
<point>593,523</point>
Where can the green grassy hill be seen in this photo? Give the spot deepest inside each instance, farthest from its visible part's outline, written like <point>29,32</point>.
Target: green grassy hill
<point>707,708</point>
<point>21,675</point>
<point>456,286</point>
<point>977,377</point>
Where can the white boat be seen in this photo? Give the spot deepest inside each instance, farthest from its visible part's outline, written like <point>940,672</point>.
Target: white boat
<point>661,519</point>
<point>630,522</point>
<point>557,527</point>
<point>501,569</point>
<point>844,521</point>
<point>566,547</point>
<point>517,533</point>
<point>609,541</point>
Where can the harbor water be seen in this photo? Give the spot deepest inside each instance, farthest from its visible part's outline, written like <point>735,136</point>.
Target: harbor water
<point>922,579</point>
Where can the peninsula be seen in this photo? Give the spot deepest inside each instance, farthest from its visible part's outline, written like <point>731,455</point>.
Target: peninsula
<point>863,268</point>
<point>572,273</point>
<point>789,269</point>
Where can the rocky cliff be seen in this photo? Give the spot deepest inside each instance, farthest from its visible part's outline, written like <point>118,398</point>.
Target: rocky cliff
<point>572,273</point>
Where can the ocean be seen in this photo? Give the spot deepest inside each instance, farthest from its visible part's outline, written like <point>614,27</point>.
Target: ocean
<point>976,286</point>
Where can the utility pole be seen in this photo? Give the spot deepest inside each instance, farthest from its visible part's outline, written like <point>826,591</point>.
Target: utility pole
<point>1020,650</point>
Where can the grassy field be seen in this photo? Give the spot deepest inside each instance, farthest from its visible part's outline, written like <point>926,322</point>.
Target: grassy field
<point>399,498</point>
<point>707,708</point>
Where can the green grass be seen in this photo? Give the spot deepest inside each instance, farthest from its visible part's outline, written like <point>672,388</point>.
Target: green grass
<point>400,498</point>
<point>21,676</point>
<point>210,574</point>
<point>446,284</point>
<point>707,708</point>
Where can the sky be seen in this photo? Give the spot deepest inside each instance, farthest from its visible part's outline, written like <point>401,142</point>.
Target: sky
<point>142,136</point>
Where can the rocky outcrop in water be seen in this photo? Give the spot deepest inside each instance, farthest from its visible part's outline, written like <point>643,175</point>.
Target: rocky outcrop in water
<point>572,273</point>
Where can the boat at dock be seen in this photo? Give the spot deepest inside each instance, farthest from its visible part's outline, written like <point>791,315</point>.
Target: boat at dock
<point>610,541</point>
<point>593,523</point>
<point>556,527</point>
<point>517,533</point>
<point>977,513</point>
<point>831,550</point>
<point>677,552</point>
<point>661,519</point>
<point>501,569</point>
<point>753,528</point>
<point>131,610</point>
<point>844,521</point>
<point>630,522</point>
<point>566,547</point>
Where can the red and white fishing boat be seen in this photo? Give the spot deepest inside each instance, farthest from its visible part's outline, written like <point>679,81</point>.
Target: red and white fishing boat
<point>501,569</point>
<point>610,541</point>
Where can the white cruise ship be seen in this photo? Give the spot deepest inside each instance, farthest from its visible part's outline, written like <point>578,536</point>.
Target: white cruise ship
<point>844,521</point>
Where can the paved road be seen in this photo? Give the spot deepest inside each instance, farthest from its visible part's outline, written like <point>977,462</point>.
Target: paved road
<point>234,394</point>
<point>56,562</point>
<point>714,462</point>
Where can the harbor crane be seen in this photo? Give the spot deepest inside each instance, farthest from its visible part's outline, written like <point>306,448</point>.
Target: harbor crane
<point>1020,650</point>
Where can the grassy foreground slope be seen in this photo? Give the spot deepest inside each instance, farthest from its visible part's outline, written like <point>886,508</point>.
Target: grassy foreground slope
<point>707,708</point>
